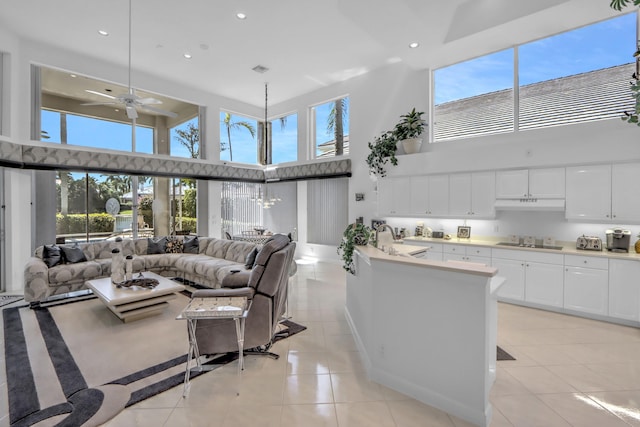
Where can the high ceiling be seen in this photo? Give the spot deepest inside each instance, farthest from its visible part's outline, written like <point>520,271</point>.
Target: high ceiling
<point>305,44</point>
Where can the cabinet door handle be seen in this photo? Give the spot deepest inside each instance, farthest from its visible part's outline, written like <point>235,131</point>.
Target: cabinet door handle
<point>585,261</point>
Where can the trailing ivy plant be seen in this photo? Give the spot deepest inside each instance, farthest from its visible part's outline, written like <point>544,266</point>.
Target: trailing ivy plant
<point>383,150</point>
<point>354,235</point>
<point>632,116</point>
<point>619,4</point>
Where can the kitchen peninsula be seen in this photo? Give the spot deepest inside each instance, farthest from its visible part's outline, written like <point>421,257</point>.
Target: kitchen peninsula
<point>427,328</point>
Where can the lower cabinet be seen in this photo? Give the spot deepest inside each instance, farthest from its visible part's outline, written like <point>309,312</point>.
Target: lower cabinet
<point>530,276</point>
<point>452,252</point>
<point>624,289</point>
<point>586,284</point>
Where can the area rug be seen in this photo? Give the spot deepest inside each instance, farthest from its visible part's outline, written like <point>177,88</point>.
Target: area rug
<point>76,364</point>
<point>9,299</point>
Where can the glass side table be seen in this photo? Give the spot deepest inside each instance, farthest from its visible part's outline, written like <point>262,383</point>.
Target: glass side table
<point>236,308</point>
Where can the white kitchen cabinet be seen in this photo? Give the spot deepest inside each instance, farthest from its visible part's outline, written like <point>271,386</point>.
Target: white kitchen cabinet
<point>586,284</point>
<point>625,193</point>
<point>540,274</point>
<point>547,183</point>
<point>453,252</point>
<point>430,195</point>
<point>513,272</point>
<point>624,289</point>
<point>472,194</point>
<point>394,196</point>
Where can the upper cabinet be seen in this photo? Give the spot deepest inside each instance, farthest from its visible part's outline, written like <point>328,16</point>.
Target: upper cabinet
<point>603,193</point>
<point>548,183</point>
<point>472,194</point>
<point>414,196</point>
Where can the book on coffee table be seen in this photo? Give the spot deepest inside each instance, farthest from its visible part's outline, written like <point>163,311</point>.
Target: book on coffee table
<point>216,307</point>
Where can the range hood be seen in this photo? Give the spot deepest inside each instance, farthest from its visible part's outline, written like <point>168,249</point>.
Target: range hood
<point>529,204</point>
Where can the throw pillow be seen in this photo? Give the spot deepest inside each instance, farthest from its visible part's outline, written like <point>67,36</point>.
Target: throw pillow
<point>51,255</point>
<point>73,254</point>
<point>251,258</point>
<point>173,245</point>
<point>156,246</point>
<point>190,245</point>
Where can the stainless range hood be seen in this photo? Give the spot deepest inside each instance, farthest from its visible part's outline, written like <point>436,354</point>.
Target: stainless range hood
<point>529,204</point>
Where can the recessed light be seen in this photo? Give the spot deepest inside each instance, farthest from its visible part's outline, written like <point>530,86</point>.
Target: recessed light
<point>241,15</point>
<point>414,45</point>
<point>73,76</point>
<point>187,55</point>
<point>103,33</point>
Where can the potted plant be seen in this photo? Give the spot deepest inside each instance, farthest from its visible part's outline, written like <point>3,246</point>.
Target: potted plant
<point>408,130</point>
<point>354,235</point>
<point>383,150</point>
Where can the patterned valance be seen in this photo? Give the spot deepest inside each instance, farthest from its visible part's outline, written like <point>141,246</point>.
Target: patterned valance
<point>56,157</point>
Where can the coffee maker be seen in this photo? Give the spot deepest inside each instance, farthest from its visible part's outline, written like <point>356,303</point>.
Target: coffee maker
<point>618,240</point>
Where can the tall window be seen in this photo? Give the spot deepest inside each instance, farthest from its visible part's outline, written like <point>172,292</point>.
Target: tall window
<point>80,110</point>
<point>331,128</point>
<point>238,138</point>
<point>576,76</point>
<point>185,139</point>
<point>72,129</point>
<point>474,97</point>
<point>284,139</point>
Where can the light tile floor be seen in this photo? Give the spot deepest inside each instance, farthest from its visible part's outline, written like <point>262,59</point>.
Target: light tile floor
<point>569,372</point>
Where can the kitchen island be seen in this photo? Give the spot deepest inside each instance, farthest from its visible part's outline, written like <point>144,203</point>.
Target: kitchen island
<point>427,328</point>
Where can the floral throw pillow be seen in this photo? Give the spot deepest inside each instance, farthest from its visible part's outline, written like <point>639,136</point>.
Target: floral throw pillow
<point>174,245</point>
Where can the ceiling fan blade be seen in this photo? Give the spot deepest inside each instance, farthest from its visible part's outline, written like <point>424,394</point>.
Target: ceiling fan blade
<point>100,103</point>
<point>99,93</point>
<point>159,111</point>
<point>131,112</point>
<point>149,101</point>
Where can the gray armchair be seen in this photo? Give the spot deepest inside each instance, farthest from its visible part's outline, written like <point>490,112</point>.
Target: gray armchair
<point>266,286</point>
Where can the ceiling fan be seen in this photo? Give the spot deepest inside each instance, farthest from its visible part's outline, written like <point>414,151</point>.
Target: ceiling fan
<point>130,100</point>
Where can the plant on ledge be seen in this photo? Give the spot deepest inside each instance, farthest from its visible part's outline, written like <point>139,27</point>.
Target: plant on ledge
<point>354,235</point>
<point>383,150</point>
<point>632,116</point>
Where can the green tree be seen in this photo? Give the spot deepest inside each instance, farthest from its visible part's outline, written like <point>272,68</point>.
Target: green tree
<point>230,124</point>
<point>190,139</point>
<point>189,203</point>
<point>335,123</point>
<point>619,4</point>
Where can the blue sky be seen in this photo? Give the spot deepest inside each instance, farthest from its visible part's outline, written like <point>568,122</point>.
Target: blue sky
<point>597,46</point>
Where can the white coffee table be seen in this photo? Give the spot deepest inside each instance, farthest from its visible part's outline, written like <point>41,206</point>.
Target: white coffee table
<point>135,303</point>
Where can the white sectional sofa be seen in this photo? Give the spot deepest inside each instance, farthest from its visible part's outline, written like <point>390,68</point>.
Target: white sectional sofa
<point>203,260</point>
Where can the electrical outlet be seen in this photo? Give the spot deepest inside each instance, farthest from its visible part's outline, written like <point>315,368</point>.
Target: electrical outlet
<point>382,351</point>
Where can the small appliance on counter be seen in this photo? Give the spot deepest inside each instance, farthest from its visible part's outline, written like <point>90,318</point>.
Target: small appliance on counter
<point>589,243</point>
<point>618,240</point>
<point>437,234</point>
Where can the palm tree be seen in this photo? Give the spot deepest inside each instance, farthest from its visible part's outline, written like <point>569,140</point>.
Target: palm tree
<point>230,124</point>
<point>335,121</point>
<point>190,139</point>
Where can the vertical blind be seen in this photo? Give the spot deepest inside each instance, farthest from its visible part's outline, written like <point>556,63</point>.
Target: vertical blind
<point>240,212</point>
<point>327,210</point>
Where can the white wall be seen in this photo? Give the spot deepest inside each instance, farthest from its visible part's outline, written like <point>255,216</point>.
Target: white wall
<point>18,226</point>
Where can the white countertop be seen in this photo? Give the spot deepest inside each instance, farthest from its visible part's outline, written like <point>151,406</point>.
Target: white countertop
<point>403,257</point>
<point>568,248</point>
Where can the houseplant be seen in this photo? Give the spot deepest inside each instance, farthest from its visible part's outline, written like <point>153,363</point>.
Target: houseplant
<point>383,150</point>
<point>354,235</point>
<point>408,130</point>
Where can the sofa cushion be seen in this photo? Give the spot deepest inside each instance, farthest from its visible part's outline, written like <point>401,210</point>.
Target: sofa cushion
<point>72,273</point>
<point>73,254</point>
<point>174,245</point>
<point>238,251</point>
<point>190,245</point>
<point>51,255</point>
<point>160,261</point>
<point>156,246</point>
<point>250,260</point>
<point>218,248</point>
